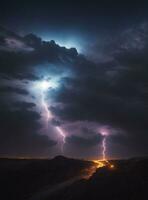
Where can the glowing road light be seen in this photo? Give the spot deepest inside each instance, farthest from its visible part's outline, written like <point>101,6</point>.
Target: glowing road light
<point>99,163</point>
<point>91,170</point>
<point>112,166</point>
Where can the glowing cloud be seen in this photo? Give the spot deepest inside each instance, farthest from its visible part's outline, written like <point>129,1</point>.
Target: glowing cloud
<point>46,84</point>
<point>68,42</point>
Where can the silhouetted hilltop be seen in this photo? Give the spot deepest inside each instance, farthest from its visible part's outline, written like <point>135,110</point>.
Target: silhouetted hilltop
<point>61,178</point>
<point>22,177</point>
<point>128,180</point>
<point>60,157</point>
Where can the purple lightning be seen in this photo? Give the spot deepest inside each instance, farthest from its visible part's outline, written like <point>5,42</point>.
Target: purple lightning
<point>44,86</point>
<point>105,134</point>
<point>63,137</point>
<point>47,114</point>
<point>104,148</point>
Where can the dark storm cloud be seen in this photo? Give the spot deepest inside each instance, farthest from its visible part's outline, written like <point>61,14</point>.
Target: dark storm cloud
<point>21,65</point>
<point>80,141</point>
<point>11,42</point>
<point>112,92</point>
<point>19,76</point>
<point>28,76</point>
<point>88,131</point>
<point>8,89</point>
<point>55,122</point>
<point>19,134</point>
<point>24,105</point>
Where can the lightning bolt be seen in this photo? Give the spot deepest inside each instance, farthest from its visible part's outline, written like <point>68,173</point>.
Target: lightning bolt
<point>48,116</point>
<point>63,137</point>
<point>104,148</point>
<point>105,133</point>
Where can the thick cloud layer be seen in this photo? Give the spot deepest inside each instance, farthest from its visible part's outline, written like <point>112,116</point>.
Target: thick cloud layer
<point>114,94</point>
<point>8,89</point>
<point>111,92</point>
<point>19,134</point>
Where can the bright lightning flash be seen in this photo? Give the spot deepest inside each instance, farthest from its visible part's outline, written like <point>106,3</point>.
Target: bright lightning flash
<point>44,86</point>
<point>104,133</point>
<point>103,162</point>
<point>104,148</point>
<point>47,114</point>
<point>63,137</point>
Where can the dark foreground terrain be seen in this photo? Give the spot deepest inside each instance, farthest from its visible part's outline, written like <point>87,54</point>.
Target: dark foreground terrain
<point>64,179</point>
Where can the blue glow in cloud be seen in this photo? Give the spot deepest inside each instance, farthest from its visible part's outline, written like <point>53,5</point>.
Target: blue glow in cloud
<point>67,40</point>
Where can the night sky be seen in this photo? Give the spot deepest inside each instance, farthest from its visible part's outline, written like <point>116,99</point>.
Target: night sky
<point>93,58</point>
